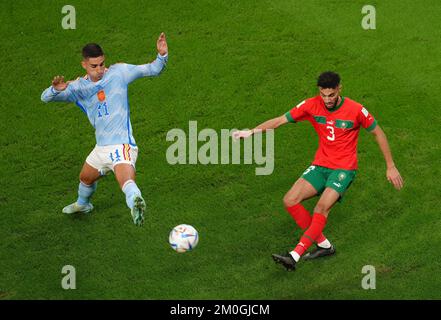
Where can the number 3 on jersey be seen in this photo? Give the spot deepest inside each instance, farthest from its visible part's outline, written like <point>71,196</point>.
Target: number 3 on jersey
<point>331,136</point>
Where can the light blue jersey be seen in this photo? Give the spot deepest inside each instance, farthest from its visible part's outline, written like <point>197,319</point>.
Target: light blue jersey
<point>105,102</point>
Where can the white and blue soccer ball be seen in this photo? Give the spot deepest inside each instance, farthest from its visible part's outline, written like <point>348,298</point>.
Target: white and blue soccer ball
<point>183,238</point>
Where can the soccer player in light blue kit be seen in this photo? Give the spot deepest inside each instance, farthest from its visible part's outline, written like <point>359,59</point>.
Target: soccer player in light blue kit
<point>102,96</point>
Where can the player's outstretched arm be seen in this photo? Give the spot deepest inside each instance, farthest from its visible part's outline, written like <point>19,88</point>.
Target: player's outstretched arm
<point>158,65</point>
<point>392,173</point>
<point>132,72</point>
<point>270,124</point>
<point>161,45</point>
<point>58,91</point>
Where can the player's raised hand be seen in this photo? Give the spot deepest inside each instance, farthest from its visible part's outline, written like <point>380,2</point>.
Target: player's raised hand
<point>242,134</point>
<point>394,177</point>
<point>161,44</point>
<point>59,84</point>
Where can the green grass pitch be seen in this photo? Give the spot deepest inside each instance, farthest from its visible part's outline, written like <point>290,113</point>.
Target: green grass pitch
<point>231,65</point>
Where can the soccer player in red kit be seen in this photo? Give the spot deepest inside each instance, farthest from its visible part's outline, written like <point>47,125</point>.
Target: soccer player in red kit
<point>337,121</point>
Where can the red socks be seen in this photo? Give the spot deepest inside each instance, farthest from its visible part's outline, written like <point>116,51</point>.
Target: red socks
<point>303,219</point>
<point>300,215</point>
<point>318,223</point>
<point>320,238</point>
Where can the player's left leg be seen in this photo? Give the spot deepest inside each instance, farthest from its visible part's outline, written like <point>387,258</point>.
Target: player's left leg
<point>324,205</point>
<point>125,175</point>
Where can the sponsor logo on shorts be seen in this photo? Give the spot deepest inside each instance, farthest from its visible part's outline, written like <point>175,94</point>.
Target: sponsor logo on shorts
<point>338,185</point>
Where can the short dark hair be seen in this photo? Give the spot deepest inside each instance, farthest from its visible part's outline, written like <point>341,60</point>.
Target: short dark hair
<point>328,80</point>
<point>92,50</point>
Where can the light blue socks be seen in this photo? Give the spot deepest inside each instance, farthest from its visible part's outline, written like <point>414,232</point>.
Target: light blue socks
<point>85,192</point>
<point>131,190</point>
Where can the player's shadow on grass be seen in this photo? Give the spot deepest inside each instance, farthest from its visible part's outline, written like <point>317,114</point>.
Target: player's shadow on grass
<point>81,216</point>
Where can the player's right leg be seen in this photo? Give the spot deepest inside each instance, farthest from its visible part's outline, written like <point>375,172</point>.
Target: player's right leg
<point>86,188</point>
<point>318,223</point>
<point>311,183</point>
<point>301,190</point>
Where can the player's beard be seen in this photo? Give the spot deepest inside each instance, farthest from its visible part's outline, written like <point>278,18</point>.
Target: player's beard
<point>335,104</point>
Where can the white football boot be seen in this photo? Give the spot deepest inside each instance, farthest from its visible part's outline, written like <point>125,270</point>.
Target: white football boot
<point>138,211</point>
<point>75,207</point>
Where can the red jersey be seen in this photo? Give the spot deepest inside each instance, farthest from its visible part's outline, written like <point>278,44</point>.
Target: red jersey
<point>337,128</point>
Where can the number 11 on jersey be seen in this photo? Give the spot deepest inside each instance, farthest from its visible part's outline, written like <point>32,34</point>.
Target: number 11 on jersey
<point>104,106</point>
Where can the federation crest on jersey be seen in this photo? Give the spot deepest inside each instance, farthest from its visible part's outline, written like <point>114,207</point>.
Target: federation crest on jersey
<point>103,110</point>
<point>101,96</point>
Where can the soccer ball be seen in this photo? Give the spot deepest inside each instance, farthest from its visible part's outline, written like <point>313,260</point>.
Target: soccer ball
<point>183,238</point>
